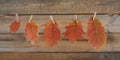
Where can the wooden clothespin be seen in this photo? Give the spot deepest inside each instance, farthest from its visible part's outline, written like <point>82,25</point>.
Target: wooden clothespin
<point>30,18</point>
<point>94,15</point>
<point>51,17</point>
<point>17,19</point>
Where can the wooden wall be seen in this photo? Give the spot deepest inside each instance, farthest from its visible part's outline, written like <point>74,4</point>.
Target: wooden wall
<point>14,46</point>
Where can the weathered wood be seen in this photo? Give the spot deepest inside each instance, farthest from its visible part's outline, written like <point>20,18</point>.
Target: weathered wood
<point>63,11</point>
<point>59,6</point>
<point>59,56</point>
<point>111,23</point>
<point>17,43</point>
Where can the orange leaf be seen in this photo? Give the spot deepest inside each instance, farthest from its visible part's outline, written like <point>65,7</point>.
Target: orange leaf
<point>31,32</point>
<point>74,31</point>
<point>51,33</point>
<point>96,34</point>
<point>14,26</point>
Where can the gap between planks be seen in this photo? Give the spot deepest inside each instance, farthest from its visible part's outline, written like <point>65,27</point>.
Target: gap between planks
<point>62,14</point>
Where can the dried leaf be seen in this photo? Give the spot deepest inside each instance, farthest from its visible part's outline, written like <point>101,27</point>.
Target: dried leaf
<point>96,34</point>
<point>31,32</point>
<point>51,33</point>
<point>74,31</point>
<point>15,26</point>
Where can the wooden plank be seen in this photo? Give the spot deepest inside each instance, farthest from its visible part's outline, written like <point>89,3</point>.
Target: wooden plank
<point>59,6</point>
<point>17,43</point>
<point>111,23</point>
<point>59,56</point>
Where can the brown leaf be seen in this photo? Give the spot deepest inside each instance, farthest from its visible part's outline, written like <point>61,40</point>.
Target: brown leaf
<point>51,33</point>
<point>15,26</point>
<point>74,31</point>
<point>96,33</point>
<point>31,32</point>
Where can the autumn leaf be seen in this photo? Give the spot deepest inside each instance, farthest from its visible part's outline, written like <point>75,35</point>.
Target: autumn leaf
<point>74,31</point>
<point>51,33</point>
<point>31,32</point>
<point>96,34</point>
<point>14,26</point>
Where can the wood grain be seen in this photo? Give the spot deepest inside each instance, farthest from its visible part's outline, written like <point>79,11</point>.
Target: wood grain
<point>59,6</point>
<point>59,56</point>
<point>63,11</point>
<point>17,43</point>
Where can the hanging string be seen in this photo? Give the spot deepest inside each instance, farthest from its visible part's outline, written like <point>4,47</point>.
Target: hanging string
<point>51,17</point>
<point>30,18</point>
<point>114,13</point>
<point>94,15</point>
<point>17,19</point>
